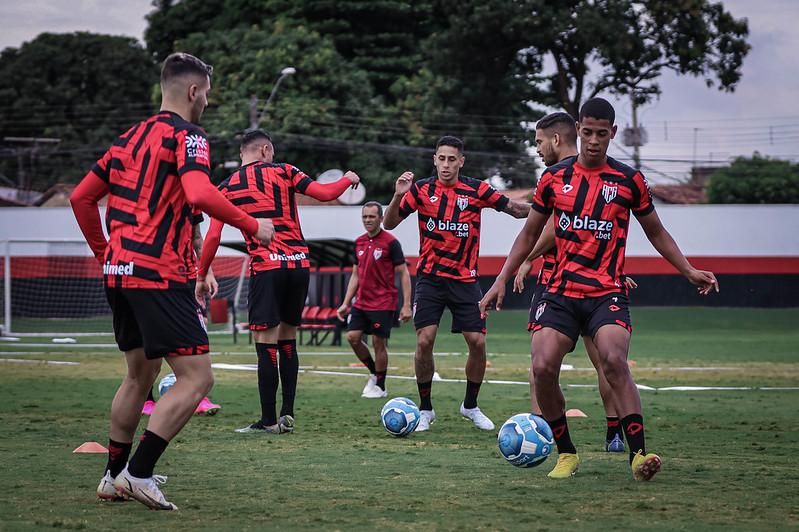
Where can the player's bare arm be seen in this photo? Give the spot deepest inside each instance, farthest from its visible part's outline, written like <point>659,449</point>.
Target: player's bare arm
<point>517,209</point>
<point>403,184</point>
<point>405,282</point>
<point>545,243</point>
<point>352,289</point>
<point>522,246</point>
<point>663,242</point>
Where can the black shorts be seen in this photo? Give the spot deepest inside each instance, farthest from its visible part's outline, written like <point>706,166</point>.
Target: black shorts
<point>277,296</point>
<point>374,322</point>
<point>163,322</point>
<point>574,317</point>
<point>433,293</point>
<point>538,293</point>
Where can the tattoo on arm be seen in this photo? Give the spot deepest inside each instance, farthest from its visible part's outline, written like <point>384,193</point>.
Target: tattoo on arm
<point>517,209</point>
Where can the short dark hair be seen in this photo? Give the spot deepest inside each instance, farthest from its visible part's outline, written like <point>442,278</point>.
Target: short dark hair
<point>180,64</point>
<point>253,136</point>
<point>598,108</point>
<point>449,140</point>
<point>562,123</point>
<point>374,204</point>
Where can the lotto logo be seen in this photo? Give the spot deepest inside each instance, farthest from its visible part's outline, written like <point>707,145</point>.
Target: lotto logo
<point>614,308</point>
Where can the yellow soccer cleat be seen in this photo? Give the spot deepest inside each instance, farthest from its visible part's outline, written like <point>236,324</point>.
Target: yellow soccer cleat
<point>645,466</point>
<point>566,467</point>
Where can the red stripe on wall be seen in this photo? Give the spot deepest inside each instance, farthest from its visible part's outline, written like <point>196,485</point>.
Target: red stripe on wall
<point>87,267</point>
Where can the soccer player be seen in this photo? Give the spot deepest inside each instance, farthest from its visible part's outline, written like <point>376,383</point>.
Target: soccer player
<point>592,197</point>
<point>449,207</point>
<point>279,271</point>
<point>374,312</point>
<point>556,140</point>
<point>153,175</point>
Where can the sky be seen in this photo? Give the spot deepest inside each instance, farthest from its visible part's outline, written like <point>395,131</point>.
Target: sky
<point>689,122</point>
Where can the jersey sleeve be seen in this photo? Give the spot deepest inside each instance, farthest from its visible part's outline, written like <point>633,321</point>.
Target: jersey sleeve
<point>193,153</point>
<point>544,197</point>
<point>409,202</point>
<point>642,198</point>
<point>102,168</point>
<point>196,217</point>
<point>299,179</point>
<point>396,254</point>
<point>489,197</point>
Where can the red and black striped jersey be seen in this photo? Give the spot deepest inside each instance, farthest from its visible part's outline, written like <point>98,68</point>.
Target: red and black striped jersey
<point>267,190</point>
<point>547,267</point>
<point>592,216</point>
<point>148,218</point>
<point>449,224</point>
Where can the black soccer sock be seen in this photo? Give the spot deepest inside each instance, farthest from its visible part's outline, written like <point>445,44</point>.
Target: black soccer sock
<point>634,430</point>
<point>150,449</point>
<point>381,380</point>
<point>472,389</point>
<point>369,362</point>
<point>614,428</point>
<point>289,369</point>
<point>560,429</point>
<point>425,389</point>
<point>268,379</point>
<point>118,454</point>
<point>150,396</point>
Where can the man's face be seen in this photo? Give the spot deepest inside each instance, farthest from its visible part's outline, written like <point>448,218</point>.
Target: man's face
<point>371,219</point>
<point>595,136</point>
<point>198,96</point>
<point>545,145</point>
<point>448,161</point>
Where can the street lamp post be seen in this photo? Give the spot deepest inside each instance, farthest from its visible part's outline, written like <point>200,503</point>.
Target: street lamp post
<point>255,117</point>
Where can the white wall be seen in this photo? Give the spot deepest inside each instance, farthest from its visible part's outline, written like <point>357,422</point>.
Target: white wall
<point>700,230</point>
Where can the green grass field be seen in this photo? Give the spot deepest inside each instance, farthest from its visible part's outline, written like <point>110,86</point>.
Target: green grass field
<point>728,454</point>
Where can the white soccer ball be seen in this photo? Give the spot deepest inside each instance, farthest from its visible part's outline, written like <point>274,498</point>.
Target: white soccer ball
<point>166,383</point>
<point>525,440</point>
<point>400,416</point>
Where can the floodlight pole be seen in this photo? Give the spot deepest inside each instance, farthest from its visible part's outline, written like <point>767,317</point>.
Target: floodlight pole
<point>255,117</point>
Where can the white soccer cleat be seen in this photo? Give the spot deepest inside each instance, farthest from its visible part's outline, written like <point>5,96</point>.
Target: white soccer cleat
<point>425,420</point>
<point>374,392</point>
<point>370,385</point>
<point>106,490</point>
<point>479,419</point>
<point>144,490</point>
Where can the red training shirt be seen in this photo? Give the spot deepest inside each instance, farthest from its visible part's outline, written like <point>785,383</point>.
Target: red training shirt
<point>377,257</point>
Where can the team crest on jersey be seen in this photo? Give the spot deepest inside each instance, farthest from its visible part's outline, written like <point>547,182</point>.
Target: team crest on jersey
<point>540,310</point>
<point>377,253</point>
<point>463,202</point>
<point>197,148</point>
<point>609,192</point>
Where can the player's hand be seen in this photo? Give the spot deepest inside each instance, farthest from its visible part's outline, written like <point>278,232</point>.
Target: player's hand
<point>266,231</point>
<point>518,281</point>
<point>403,183</point>
<point>495,293</point>
<point>629,283</point>
<point>705,281</point>
<point>213,285</point>
<point>405,313</point>
<point>200,290</point>
<point>353,177</point>
<point>342,312</point>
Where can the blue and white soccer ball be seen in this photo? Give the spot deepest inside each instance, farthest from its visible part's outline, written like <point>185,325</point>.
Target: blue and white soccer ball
<point>400,416</point>
<point>525,440</point>
<point>166,383</point>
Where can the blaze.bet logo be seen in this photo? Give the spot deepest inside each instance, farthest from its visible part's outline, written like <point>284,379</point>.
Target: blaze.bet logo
<point>603,229</point>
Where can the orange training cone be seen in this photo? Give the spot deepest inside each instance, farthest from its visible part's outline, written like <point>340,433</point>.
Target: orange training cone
<point>575,412</point>
<point>90,447</point>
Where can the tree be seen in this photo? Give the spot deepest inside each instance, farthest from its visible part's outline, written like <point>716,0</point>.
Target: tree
<point>630,43</point>
<point>82,88</point>
<point>755,180</point>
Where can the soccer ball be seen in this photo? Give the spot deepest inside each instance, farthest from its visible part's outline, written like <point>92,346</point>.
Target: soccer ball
<point>525,440</point>
<point>400,416</point>
<point>166,383</point>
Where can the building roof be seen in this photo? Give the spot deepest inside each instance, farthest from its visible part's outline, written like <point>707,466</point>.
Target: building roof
<point>679,194</point>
